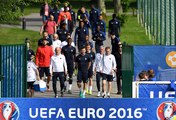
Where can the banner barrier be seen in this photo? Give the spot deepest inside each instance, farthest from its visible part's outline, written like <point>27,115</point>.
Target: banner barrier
<point>86,109</point>
<point>159,58</point>
<point>153,89</point>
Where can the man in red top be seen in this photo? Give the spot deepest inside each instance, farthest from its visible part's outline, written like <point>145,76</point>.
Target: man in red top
<point>49,26</point>
<point>43,56</point>
<point>62,14</point>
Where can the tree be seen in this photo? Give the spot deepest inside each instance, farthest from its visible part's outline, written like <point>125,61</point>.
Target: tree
<point>9,10</point>
<point>101,6</point>
<point>117,7</point>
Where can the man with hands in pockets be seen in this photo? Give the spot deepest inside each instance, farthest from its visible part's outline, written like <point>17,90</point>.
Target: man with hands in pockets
<point>58,70</point>
<point>108,68</point>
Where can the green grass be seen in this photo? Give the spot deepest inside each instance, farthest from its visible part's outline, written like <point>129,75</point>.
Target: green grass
<point>31,9</point>
<point>132,33</point>
<point>17,36</point>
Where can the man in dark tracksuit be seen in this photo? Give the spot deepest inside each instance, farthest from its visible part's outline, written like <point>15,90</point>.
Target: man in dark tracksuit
<point>70,54</point>
<point>83,64</point>
<point>98,37</point>
<point>102,24</point>
<point>63,32</point>
<point>94,16</point>
<point>117,52</point>
<point>73,22</point>
<point>81,32</point>
<point>114,26</point>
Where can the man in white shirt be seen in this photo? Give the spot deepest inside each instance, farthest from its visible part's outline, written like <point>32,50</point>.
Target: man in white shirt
<point>56,42</point>
<point>108,67</point>
<point>32,75</point>
<point>59,69</point>
<point>96,68</point>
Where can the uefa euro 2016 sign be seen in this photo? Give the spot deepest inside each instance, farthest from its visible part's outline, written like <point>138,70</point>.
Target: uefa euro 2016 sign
<point>87,109</point>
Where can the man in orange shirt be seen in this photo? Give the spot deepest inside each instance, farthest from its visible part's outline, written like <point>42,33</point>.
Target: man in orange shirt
<point>62,14</point>
<point>43,56</point>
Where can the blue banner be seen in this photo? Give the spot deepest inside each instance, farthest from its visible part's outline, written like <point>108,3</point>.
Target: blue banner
<point>87,109</point>
<point>159,58</point>
<point>155,91</point>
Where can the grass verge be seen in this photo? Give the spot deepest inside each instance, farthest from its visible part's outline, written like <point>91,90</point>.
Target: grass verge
<point>17,36</point>
<point>132,33</point>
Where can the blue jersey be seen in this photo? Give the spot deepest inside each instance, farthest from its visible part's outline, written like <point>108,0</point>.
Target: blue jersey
<point>81,34</point>
<point>69,52</point>
<point>83,62</point>
<point>99,37</point>
<point>115,45</point>
<point>114,26</point>
<point>94,15</point>
<point>102,25</point>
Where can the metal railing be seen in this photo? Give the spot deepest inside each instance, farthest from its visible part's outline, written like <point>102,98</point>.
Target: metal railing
<point>158,18</point>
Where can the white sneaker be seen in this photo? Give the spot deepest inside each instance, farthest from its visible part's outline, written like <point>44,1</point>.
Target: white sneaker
<point>104,95</point>
<point>99,94</point>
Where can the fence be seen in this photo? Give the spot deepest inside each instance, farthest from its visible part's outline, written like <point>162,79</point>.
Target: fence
<point>13,71</point>
<point>158,18</point>
<point>127,70</point>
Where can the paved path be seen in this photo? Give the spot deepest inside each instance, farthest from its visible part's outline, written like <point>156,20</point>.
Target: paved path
<point>35,26</point>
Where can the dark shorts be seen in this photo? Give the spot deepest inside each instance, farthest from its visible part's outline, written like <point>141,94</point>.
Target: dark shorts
<point>109,78</point>
<point>90,73</point>
<point>30,85</point>
<point>44,70</point>
<point>82,76</point>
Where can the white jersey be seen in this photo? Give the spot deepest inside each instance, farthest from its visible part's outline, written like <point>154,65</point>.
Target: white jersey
<point>56,43</point>
<point>31,71</point>
<point>64,43</point>
<point>108,64</point>
<point>97,63</point>
<point>58,63</point>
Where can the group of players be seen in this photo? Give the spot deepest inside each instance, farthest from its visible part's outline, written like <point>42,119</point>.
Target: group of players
<point>56,56</point>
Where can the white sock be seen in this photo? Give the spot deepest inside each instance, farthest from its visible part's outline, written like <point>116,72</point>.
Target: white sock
<point>84,92</point>
<point>80,89</point>
<point>108,94</point>
<point>70,86</point>
<point>66,84</point>
<point>90,88</point>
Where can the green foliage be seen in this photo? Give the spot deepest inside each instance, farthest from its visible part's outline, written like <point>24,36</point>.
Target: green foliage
<point>125,5</point>
<point>10,10</point>
<point>122,18</point>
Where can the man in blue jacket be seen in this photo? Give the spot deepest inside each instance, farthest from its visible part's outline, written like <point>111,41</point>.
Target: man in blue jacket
<point>98,37</point>
<point>94,16</point>
<point>80,34</point>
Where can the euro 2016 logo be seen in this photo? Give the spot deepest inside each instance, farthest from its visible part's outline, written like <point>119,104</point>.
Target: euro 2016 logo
<point>166,111</point>
<point>9,111</point>
<point>171,59</point>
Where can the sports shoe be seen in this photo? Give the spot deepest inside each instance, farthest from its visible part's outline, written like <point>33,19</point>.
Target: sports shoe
<point>87,91</point>
<point>80,94</point>
<point>56,96</point>
<point>65,88</point>
<point>119,92</point>
<point>83,96</point>
<point>62,94</point>
<point>69,92</point>
<point>104,95</point>
<point>108,96</point>
<point>99,94</point>
<point>90,92</point>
